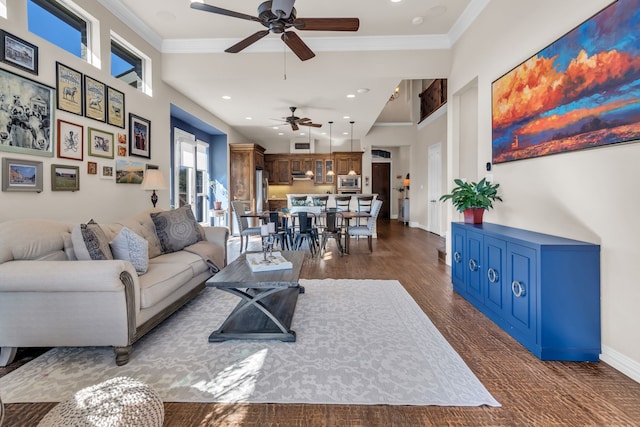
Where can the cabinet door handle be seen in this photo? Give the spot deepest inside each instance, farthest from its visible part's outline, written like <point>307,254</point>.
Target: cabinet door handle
<point>457,257</point>
<point>473,265</point>
<point>518,289</point>
<point>492,275</point>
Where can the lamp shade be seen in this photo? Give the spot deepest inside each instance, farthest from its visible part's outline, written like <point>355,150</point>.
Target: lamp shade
<point>153,180</point>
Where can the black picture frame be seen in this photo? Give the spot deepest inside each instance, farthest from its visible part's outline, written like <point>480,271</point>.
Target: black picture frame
<point>95,93</point>
<point>115,107</point>
<point>69,88</point>
<point>139,136</point>
<point>18,53</point>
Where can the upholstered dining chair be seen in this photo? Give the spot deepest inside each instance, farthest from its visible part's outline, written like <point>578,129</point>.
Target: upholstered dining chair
<point>243,224</point>
<point>368,229</point>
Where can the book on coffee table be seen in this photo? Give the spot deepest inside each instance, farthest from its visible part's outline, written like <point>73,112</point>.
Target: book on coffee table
<point>275,261</point>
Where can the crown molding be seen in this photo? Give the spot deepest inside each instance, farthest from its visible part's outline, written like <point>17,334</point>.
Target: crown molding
<point>320,44</point>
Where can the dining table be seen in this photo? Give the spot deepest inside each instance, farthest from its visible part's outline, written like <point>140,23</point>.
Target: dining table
<point>346,215</point>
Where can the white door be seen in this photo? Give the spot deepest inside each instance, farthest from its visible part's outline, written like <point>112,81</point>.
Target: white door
<point>434,188</point>
<point>190,173</point>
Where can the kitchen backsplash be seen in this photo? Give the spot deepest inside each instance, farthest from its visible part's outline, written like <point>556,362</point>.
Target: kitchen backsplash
<point>298,187</point>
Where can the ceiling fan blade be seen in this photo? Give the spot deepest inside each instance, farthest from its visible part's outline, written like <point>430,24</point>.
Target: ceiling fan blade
<point>313,125</point>
<point>327,24</point>
<point>294,126</point>
<point>247,42</point>
<point>296,44</point>
<point>306,119</point>
<point>220,11</point>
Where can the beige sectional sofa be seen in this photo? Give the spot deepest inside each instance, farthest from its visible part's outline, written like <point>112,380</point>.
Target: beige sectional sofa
<point>49,298</point>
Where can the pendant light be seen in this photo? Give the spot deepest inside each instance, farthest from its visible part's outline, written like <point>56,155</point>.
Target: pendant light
<point>351,171</point>
<point>309,172</point>
<point>330,172</point>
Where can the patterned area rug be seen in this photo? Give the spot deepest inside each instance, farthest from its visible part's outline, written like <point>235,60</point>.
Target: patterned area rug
<point>358,342</point>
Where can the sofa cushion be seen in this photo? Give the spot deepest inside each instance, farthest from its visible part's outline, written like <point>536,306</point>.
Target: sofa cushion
<point>142,225</point>
<point>176,228</point>
<point>161,280</point>
<point>90,242</point>
<point>128,246</point>
<point>196,262</point>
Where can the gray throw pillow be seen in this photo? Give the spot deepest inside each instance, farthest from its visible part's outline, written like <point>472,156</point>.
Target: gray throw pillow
<point>131,247</point>
<point>176,229</point>
<point>96,241</point>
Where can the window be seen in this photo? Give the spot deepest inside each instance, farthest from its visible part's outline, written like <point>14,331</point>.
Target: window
<point>130,65</point>
<point>191,174</point>
<point>125,65</point>
<point>65,25</point>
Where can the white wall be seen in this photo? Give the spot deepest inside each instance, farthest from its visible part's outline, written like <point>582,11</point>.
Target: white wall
<point>586,195</point>
<point>100,199</point>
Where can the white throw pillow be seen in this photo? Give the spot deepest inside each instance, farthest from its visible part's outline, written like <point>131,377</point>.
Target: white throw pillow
<point>129,246</point>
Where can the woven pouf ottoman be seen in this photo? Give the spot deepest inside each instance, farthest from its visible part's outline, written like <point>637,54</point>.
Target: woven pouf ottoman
<point>118,402</point>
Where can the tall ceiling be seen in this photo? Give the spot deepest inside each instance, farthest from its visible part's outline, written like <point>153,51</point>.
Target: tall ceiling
<point>396,41</point>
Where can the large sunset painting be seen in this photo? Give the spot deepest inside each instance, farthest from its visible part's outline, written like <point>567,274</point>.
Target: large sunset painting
<point>581,91</point>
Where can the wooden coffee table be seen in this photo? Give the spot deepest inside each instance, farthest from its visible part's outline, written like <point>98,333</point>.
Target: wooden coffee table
<point>268,300</point>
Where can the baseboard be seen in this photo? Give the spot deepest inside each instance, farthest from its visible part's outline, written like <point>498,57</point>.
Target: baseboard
<point>622,363</point>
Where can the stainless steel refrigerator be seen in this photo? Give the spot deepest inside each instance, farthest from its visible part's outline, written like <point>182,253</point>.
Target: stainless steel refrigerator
<point>262,190</point>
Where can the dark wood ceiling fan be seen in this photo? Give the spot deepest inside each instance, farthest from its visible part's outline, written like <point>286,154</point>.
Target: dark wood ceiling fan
<point>295,122</point>
<point>279,16</point>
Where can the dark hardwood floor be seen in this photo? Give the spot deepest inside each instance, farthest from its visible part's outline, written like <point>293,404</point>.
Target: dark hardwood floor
<point>532,392</point>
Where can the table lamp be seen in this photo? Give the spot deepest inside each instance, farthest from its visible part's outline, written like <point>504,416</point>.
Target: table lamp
<point>153,180</point>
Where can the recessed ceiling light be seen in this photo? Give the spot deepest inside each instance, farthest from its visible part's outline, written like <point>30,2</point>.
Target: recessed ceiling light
<point>396,1</point>
<point>346,117</point>
<point>363,90</point>
<point>249,118</point>
<point>226,97</point>
<point>351,95</point>
<point>417,20</point>
<point>345,133</point>
<point>275,128</point>
<point>280,133</point>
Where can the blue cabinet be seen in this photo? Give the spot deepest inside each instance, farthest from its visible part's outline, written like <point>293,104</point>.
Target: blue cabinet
<point>543,290</point>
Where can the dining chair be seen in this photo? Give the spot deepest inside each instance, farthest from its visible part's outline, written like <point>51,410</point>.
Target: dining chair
<point>333,230</point>
<point>305,231</point>
<point>320,201</point>
<point>243,224</point>
<point>364,205</point>
<point>342,203</point>
<point>281,232</point>
<point>368,229</point>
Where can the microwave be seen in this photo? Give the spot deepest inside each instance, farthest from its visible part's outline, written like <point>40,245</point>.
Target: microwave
<point>348,182</point>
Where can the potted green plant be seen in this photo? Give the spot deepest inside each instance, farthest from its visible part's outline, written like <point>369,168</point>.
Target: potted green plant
<point>219,193</point>
<point>473,198</point>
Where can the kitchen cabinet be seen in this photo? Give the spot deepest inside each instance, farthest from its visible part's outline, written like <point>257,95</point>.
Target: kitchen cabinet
<point>344,162</point>
<point>278,168</point>
<point>244,159</point>
<point>277,204</point>
<point>543,290</point>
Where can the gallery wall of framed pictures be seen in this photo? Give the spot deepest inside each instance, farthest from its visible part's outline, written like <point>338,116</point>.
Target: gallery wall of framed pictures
<point>34,129</point>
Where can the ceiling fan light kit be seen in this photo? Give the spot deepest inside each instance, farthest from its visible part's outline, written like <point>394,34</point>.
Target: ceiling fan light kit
<point>279,16</point>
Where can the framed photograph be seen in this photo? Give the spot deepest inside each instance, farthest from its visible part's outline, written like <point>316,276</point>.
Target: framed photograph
<point>129,171</point>
<point>69,89</point>
<point>122,150</point>
<point>115,107</point>
<point>21,175</point>
<point>70,140</point>
<point>65,178</point>
<point>139,136</point>
<point>558,101</point>
<point>107,172</point>
<point>94,99</point>
<point>19,53</point>
<point>27,115</point>
<point>100,143</point>
<point>92,168</point>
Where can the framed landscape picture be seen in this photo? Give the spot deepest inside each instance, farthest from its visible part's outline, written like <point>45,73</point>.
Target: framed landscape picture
<point>65,178</point>
<point>579,92</point>
<point>69,89</point>
<point>70,140</point>
<point>115,107</point>
<point>94,99</point>
<point>18,52</point>
<point>100,143</point>
<point>28,118</point>
<point>129,171</point>
<point>21,175</point>
<point>139,136</point>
